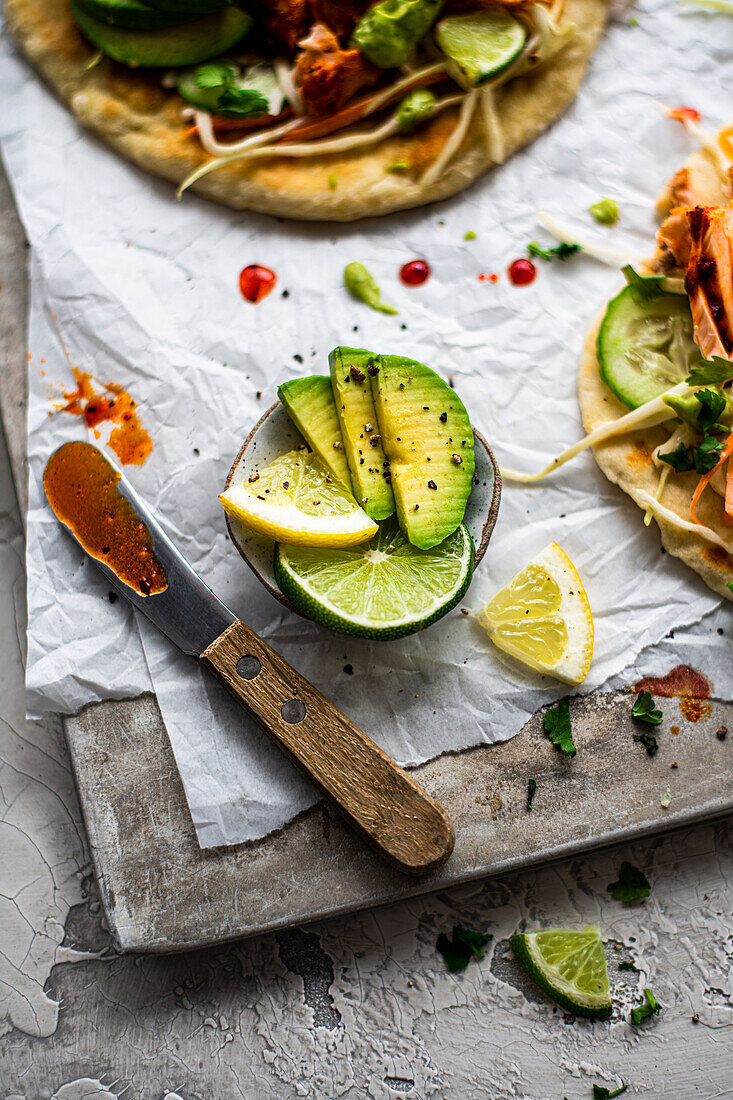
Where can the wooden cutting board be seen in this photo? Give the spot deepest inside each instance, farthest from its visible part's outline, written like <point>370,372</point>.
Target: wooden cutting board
<point>161,892</point>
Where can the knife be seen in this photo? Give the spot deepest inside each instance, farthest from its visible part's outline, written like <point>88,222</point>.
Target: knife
<point>91,497</point>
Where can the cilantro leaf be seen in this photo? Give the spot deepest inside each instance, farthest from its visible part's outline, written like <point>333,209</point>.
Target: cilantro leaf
<point>562,251</point>
<point>244,101</point>
<point>649,1007</point>
<point>214,75</point>
<point>645,711</point>
<point>705,457</point>
<point>632,885</point>
<point>531,788</point>
<point>729,586</point>
<point>600,1092</point>
<point>679,459</point>
<point>644,288</point>
<point>464,946</point>
<point>649,742</point>
<point>628,965</point>
<point>556,723</point>
<point>712,404</point>
<point>713,371</point>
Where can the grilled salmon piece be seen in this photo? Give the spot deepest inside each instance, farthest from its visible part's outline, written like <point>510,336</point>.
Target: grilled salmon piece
<point>709,279</point>
<point>328,75</point>
<point>673,242</point>
<point>697,183</point>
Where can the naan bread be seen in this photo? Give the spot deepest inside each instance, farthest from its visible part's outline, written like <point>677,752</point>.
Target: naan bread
<point>135,114</point>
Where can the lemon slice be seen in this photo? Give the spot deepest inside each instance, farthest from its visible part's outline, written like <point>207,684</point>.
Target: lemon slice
<point>296,500</point>
<point>543,618</point>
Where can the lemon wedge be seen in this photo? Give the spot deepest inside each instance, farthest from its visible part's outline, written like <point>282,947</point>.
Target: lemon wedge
<point>297,501</point>
<point>543,618</point>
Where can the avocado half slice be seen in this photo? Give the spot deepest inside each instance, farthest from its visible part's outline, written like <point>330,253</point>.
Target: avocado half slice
<point>310,405</point>
<point>368,465</point>
<point>428,437</point>
<point>187,43</point>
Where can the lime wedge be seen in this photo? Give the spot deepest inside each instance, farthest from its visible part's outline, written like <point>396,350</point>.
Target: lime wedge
<point>386,588</point>
<point>570,966</point>
<point>295,499</point>
<point>481,44</point>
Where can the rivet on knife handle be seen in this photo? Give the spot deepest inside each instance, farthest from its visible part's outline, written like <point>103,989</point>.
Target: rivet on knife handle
<point>374,794</point>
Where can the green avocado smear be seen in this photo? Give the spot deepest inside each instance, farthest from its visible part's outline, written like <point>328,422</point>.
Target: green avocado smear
<point>361,284</point>
<point>389,31</point>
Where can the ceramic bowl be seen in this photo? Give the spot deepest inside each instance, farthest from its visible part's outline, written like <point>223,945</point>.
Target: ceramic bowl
<point>274,434</point>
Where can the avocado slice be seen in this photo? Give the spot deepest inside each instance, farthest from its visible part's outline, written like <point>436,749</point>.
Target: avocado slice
<point>128,13</point>
<point>370,476</point>
<point>185,44</point>
<point>429,440</point>
<point>309,404</point>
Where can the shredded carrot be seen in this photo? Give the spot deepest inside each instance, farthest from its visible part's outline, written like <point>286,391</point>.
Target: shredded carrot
<point>320,127</point>
<point>729,492</point>
<point>705,479</point>
<point>224,125</point>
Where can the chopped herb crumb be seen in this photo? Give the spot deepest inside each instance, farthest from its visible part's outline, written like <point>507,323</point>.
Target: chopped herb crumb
<point>632,885</point>
<point>649,1007</point>
<point>649,741</point>
<point>469,235</point>
<point>627,964</point>
<point>531,788</point>
<point>562,251</point>
<point>333,182</point>
<point>600,1092</point>
<point>556,723</point>
<point>398,166</point>
<point>464,946</point>
<point>644,710</point>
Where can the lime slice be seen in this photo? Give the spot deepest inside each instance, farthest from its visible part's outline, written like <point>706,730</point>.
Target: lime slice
<point>543,617</point>
<point>569,965</point>
<point>387,588</point>
<point>481,44</point>
<point>296,500</point>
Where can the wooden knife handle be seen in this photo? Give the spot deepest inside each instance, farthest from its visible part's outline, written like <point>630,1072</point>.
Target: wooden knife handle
<point>373,793</point>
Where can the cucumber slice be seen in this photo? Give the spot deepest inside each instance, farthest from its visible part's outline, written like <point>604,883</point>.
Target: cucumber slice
<point>128,13</point>
<point>481,44</point>
<point>185,44</point>
<point>189,7</point>
<point>645,348</point>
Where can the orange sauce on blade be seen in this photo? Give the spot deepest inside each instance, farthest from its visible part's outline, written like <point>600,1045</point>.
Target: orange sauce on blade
<point>82,489</point>
<point>129,440</point>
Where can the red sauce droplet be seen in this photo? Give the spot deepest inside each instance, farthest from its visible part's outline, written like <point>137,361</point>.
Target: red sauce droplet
<point>682,680</point>
<point>256,282</point>
<point>81,487</point>
<point>486,277</point>
<point>415,272</point>
<point>684,114</point>
<point>521,272</point>
<point>129,440</point>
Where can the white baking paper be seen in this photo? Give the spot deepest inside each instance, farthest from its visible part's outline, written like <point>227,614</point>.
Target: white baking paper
<point>142,291</point>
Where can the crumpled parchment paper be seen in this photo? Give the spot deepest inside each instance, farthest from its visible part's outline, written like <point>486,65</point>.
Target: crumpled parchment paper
<point>142,291</point>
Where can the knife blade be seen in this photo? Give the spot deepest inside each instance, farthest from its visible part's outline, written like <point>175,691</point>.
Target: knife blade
<point>91,497</point>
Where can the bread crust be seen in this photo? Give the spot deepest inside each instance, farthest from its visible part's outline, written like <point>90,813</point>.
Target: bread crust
<point>142,120</point>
